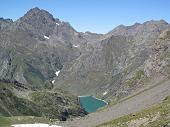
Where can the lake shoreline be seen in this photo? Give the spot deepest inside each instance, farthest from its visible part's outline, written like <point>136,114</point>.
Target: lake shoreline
<point>94,97</point>
<point>91,103</point>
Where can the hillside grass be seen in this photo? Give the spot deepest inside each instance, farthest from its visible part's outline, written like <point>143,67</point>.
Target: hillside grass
<point>44,103</point>
<point>8,121</point>
<point>156,116</point>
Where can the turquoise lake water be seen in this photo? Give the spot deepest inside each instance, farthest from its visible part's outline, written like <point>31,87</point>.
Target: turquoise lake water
<point>91,104</point>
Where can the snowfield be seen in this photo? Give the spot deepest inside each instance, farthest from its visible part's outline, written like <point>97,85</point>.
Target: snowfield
<point>46,37</point>
<point>34,125</point>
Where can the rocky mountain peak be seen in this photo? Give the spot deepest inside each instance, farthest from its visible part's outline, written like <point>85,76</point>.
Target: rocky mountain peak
<point>163,21</point>
<point>155,22</point>
<point>5,20</point>
<point>149,26</point>
<point>4,23</point>
<point>38,22</point>
<point>37,14</point>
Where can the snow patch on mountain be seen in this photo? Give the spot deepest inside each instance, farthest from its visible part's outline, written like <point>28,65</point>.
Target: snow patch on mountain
<point>53,81</point>
<point>46,37</point>
<point>76,46</point>
<point>105,93</point>
<point>57,24</point>
<point>57,73</point>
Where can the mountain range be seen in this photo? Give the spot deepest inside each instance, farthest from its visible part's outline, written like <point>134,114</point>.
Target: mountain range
<point>41,53</point>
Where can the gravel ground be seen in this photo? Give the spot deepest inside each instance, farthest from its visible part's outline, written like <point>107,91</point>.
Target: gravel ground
<point>134,104</point>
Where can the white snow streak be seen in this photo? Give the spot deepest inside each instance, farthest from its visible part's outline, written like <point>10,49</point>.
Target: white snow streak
<point>75,46</point>
<point>34,125</point>
<point>57,73</point>
<point>53,81</point>
<point>46,37</point>
<point>57,24</point>
<point>105,93</point>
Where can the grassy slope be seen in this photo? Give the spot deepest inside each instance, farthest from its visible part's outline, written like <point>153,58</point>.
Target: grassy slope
<point>156,116</point>
<point>13,105</point>
<point>8,121</point>
<point>40,104</point>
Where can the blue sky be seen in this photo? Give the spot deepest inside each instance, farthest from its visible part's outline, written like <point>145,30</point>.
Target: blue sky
<point>98,16</point>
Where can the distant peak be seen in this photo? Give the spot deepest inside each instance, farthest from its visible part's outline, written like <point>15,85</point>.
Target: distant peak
<point>34,9</point>
<point>35,14</point>
<point>37,10</point>
<point>6,20</point>
<point>121,26</point>
<point>163,21</point>
<point>156,22</point>
<point>136,24</point>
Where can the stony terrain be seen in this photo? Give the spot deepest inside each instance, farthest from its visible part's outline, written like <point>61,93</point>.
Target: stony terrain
<point>119,62</point>
<point>132,104</point>
<point>42,57</point>
<point>156,116</point>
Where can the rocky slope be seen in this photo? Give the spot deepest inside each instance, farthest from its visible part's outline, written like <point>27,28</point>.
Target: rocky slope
<point>35,46</point>
<point>42,52</point>
<point>129,106</point>
<point>157,115</point>
<point>32,49</point>
<point>118,63</point>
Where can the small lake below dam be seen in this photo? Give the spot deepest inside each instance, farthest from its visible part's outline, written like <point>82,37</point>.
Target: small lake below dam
<point>91,104</point>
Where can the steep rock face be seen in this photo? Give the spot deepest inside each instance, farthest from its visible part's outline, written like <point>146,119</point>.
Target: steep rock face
<point>5,23</point>
<point>93,69</point>
<point>36,46</point>
<point>159,60</point>
<point>38,21</point>
<point>107,64</point>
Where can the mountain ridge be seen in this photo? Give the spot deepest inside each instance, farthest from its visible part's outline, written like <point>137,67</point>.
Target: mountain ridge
<point>43,53</point>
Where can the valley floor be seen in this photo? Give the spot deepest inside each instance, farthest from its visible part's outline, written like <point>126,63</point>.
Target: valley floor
<point>136,103</point>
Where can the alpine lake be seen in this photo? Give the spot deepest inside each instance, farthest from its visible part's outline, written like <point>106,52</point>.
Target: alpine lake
<point>91,104</point>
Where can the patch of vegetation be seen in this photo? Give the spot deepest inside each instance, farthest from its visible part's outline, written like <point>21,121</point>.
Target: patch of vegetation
<point>12,105</point>
<point>138,76</point>
<point>156,116</point>
<point>8,121</point>
<point>40,103</point>
<point>55,104</point>
<point>33,76</point>
<point>5,122</point>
